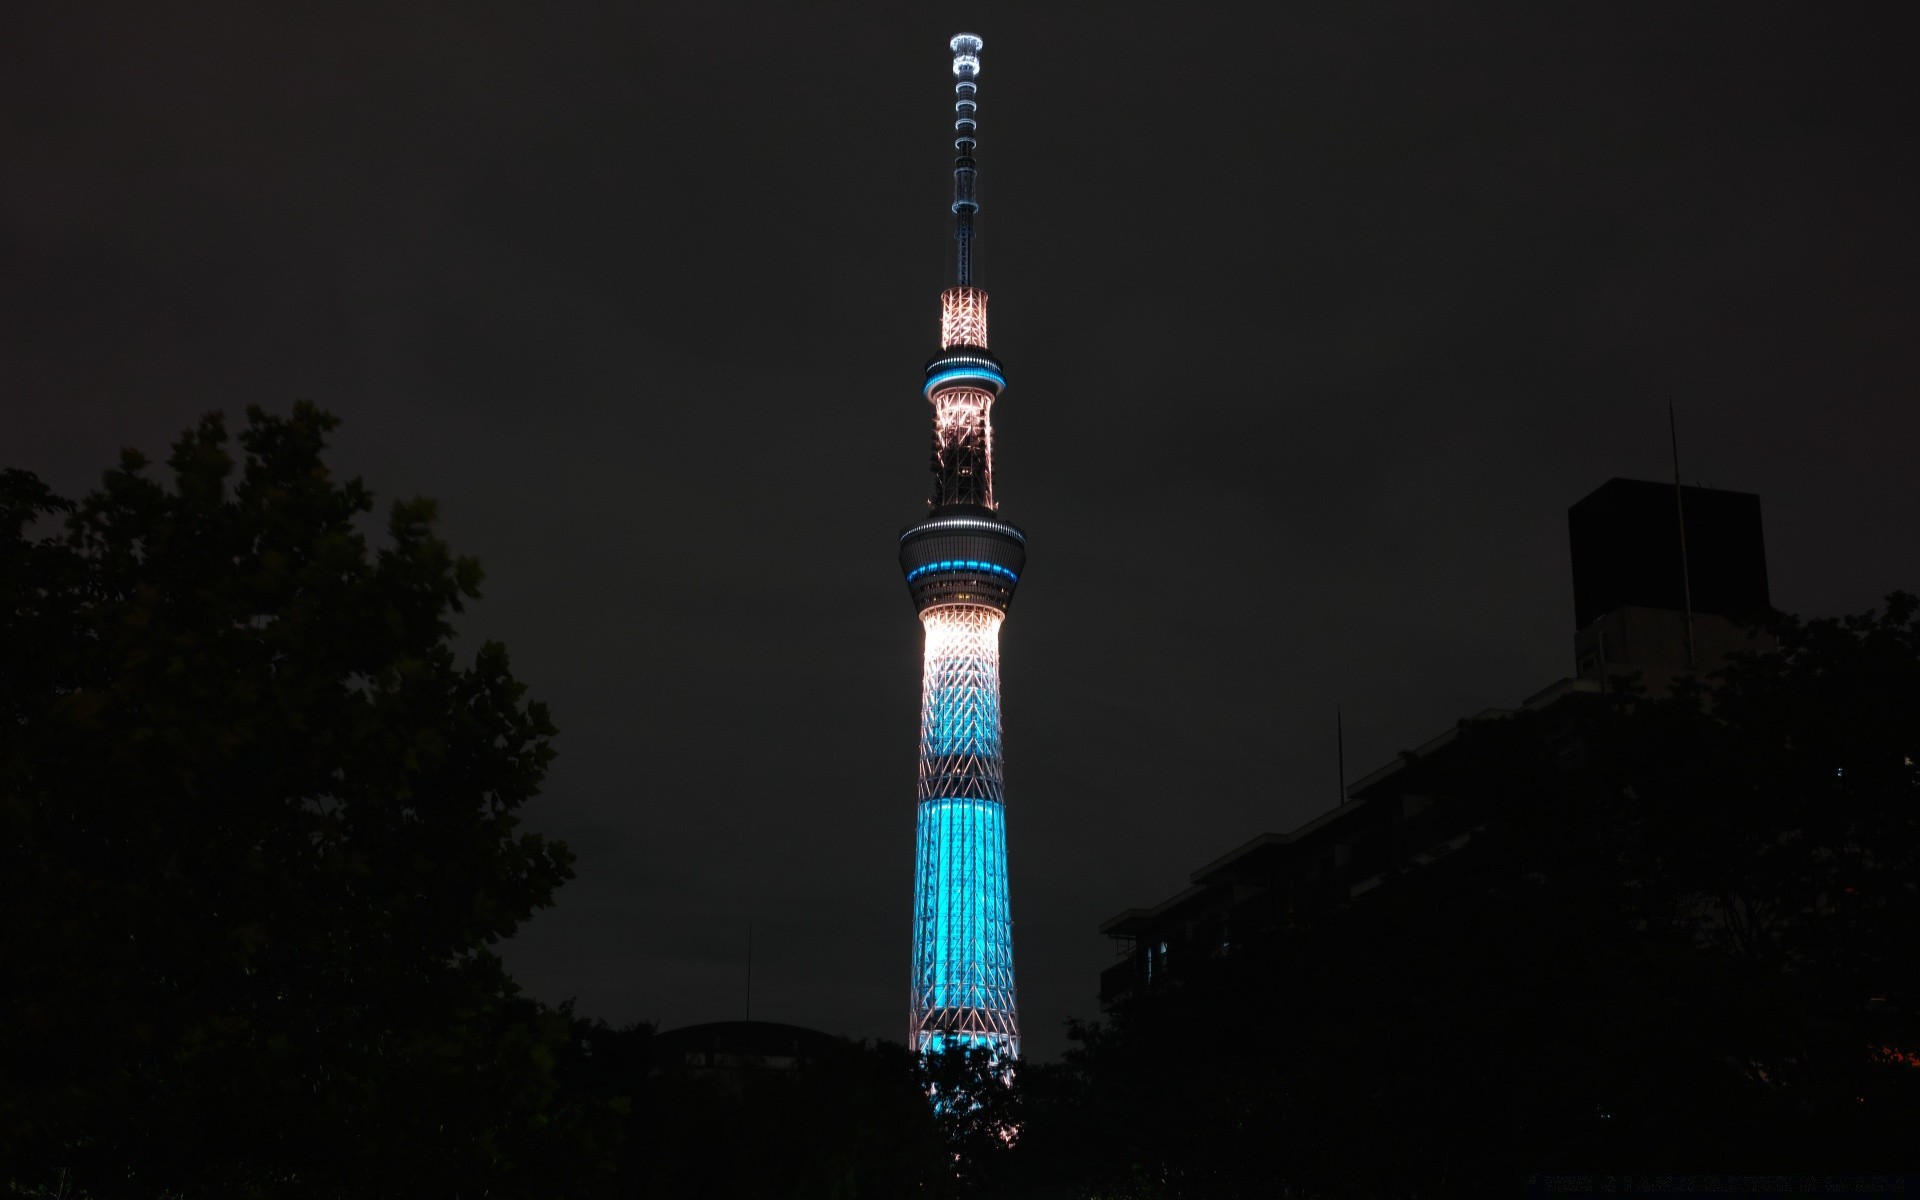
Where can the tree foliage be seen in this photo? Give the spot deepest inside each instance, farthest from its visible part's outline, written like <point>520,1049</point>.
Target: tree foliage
<point>260,828</point>
<point>849,1121</point>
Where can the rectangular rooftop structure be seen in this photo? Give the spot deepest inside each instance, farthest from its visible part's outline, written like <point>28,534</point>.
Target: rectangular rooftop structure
<point>1625,538</point>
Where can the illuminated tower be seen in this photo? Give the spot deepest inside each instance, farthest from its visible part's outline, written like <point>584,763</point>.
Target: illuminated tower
<point>961,564</point>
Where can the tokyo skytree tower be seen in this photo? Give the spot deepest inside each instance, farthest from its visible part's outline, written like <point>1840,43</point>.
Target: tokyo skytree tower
<point>962,563</point>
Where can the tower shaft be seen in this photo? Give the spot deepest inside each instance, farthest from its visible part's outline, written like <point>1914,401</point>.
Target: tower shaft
<point>962,564</point>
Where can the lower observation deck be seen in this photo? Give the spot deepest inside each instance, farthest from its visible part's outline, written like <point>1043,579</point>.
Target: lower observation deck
<point>963,554</point>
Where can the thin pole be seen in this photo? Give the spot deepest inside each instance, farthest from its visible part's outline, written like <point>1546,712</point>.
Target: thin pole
<point>749,970</point>
<point>1340,749</point>
<point>1680,512</point>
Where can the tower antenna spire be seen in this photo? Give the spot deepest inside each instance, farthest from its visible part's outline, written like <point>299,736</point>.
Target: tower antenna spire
<point>966,106</point>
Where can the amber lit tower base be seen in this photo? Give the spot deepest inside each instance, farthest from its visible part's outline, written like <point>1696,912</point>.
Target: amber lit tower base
<point>962,564</point>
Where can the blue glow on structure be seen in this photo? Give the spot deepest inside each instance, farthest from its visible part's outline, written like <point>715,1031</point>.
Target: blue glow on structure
<point>960,564</point>
<point>965,373</point>
<point>963,926</point>
<point>962,726</point>
<point>964,956</point>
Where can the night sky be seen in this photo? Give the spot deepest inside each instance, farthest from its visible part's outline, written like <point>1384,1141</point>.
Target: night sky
<point>1317,318</point>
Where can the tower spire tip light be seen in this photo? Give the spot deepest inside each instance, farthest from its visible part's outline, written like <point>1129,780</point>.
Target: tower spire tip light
<point>966,54</point>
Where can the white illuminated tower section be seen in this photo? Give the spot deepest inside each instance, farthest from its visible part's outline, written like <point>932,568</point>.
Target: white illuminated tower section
<point>962,563</point>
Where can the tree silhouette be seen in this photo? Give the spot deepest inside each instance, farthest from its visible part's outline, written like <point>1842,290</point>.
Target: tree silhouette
<point>260,828</point>
<point>976,1109</point>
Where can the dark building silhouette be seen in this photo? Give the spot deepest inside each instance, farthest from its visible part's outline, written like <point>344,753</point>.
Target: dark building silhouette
<point>735,1046</point>
<point>1632,624</point>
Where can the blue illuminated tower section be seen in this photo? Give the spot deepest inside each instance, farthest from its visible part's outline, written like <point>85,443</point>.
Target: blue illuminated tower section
<point>962,563</point>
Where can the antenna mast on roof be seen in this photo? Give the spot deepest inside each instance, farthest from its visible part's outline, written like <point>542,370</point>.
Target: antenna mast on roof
<point>1340,749</point>
<point>1680,513</point>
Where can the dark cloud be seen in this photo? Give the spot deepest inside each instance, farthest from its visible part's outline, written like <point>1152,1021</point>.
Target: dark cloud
<point>1318,317</point>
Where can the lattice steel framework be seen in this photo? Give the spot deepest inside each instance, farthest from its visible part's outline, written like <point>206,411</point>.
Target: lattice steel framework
<point>962,563</point>
<point>963,318</point>
<point>963,943</point>
<point>963,446</point>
